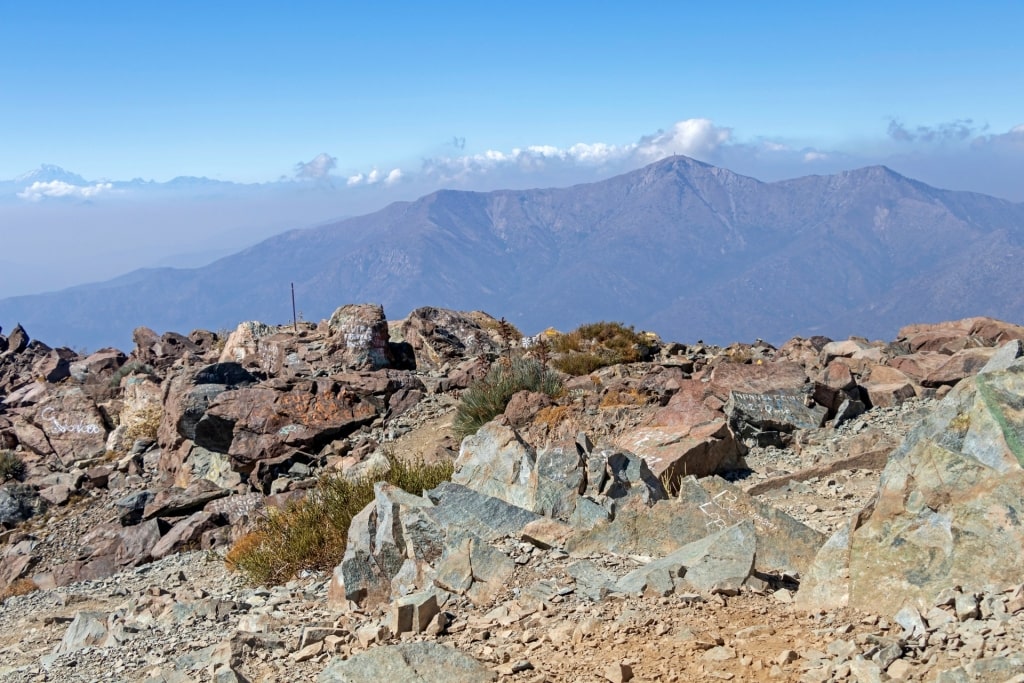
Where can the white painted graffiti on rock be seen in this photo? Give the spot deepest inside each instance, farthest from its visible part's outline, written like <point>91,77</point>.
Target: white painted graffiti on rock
<point>50,415</point>
<point>724,502</point>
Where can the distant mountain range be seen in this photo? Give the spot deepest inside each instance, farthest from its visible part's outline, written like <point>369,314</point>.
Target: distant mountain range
<point>679,247</point>
<point>55,182</point>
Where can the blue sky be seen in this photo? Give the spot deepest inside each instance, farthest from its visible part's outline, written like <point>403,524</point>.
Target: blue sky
<point>243,91</point>
<point>367,103</point>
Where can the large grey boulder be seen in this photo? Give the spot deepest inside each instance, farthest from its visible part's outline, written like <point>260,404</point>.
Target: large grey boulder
<point>425,662</point>
<point>704,507</point>
<point>947,509</point>
<point>497,461</point>
<point>723,559</point>
<point>360,338</point>
<point>390,540</point>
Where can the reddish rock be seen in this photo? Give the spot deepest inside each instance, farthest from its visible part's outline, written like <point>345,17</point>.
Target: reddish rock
<point>258,423</point>
<point>885,374</point>
<point>185,534</point>
<point>56,495</point>
<point>888,395</point>
<point>71,426</point>
<point>524,405</point>
<point>160,352</point>
<point>842,349</point>
<point>917,366</point>
<point>833,385</point>
<point>960,365</point>
<point>174,502</point>
<point>956,335</point>
<point>757,379</point>
<point>685,437</point>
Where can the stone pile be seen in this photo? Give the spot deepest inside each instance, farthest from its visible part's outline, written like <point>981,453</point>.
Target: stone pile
<point>591,526</point>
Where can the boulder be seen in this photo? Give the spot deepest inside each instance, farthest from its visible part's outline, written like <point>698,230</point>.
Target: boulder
<point>949,337</point>
<point>243,342</point>
<point>175,502</point>
<point>723,559</point>
<point>915,366</point>
<point>496,461</point>
<point>17,340</point>
<point>187,397</point>
<point>946,512</point>
<point>161,351</point>
<point>97,367</point>
<point>768,418</point>
<point>18,502</point>
<point>841,349</point>
<point>392,538</point>
<point>423,662</point>
<point>961,364</point>
<point>439,337</point>
<point>685,437</point>
<point>704,507</point>
<point>71,425</point>
<point>360,338</point>
<point>185,534</point>
<point>89,629</point>
<point>259,423</point>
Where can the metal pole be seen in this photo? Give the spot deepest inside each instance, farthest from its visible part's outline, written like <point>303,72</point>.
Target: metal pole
<point>295,318</point>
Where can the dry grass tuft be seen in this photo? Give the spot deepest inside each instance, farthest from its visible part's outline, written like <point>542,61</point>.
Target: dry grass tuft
<point>312,533</point>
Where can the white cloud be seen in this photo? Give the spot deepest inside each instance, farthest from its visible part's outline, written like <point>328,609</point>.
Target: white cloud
<point>375,176</point>
<point>814,155</point>
<point>698,138</point>
<point>58,188</point>
<point>318,167</point>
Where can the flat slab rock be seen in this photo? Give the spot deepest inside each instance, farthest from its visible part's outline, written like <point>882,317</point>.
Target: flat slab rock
<point>407,663</point>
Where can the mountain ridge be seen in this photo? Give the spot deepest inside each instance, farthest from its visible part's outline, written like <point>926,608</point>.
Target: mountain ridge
<point>681,247</point>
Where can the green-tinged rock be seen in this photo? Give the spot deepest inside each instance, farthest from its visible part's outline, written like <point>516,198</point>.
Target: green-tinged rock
<point>407,663</point>
<point>948,508</point>
<point>704,507</point>
<point>725,558</point>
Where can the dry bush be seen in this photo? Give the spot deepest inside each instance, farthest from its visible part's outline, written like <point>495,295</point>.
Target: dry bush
<point>311,533</point>
<point>577,364</point>
<point>144,423</point>
<point>596,345</point>
<point>19,587</point>
<point>629,397</point>
<point>552,416</point>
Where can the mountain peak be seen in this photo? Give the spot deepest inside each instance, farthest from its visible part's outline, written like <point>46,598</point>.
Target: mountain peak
<point>47,173</point>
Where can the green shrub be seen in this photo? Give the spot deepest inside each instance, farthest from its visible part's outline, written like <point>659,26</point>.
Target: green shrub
<point>11,466</point>
<point>133,368</point>
<point>487,398</point>
<point>311,533</point>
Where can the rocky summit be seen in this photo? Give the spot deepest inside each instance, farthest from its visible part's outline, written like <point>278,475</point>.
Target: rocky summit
<point>824,510</point>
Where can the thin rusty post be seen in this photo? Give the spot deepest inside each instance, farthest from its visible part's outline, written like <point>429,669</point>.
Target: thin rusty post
<point>295,318</point>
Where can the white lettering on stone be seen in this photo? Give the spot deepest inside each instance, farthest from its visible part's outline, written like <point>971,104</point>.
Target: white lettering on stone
<point>49,415</point>
<point>725,505</point>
